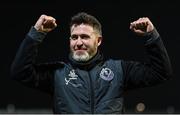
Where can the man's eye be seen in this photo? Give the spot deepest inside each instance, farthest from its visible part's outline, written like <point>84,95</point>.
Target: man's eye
<point>74,37</point>
<point>85,37</point>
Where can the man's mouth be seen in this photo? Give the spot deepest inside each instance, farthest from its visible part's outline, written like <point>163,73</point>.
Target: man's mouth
<point>80,51</point>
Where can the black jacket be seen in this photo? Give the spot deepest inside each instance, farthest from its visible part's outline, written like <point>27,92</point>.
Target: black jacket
<point>96,86</point>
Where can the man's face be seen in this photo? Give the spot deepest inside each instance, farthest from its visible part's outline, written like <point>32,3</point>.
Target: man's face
<point>84,42</point>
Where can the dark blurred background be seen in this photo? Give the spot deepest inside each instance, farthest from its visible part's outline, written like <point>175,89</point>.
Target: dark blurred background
<point>17,17</point>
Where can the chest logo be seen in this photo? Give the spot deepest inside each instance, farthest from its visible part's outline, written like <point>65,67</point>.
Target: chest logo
<point>72,76</point>
<point>107,74</point>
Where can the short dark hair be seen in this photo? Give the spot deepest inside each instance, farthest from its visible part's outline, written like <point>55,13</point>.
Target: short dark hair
<point>84,18</point>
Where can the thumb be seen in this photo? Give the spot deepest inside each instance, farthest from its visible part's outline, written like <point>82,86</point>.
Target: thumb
<point>138,32</point>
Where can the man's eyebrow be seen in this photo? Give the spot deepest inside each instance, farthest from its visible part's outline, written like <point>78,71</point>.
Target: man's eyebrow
<point>80,35</point>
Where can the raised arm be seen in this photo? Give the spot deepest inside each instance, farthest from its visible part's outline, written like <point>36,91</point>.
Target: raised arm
<point>24,67</point>
<point>158,67</point>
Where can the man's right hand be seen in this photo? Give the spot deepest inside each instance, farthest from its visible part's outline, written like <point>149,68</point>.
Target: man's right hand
<point>45,24</point>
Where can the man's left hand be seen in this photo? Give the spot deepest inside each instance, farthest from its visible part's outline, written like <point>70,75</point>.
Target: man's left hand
<point>142,26</point>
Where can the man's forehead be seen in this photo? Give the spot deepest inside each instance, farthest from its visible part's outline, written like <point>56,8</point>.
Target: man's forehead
<point>82,27</point>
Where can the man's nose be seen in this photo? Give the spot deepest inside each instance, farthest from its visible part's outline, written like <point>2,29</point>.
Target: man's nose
<point>79,41</point>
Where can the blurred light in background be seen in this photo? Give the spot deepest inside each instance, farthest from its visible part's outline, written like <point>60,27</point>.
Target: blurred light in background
<point>170,109</point>
<point>140,107</point>
<point>10,108</point>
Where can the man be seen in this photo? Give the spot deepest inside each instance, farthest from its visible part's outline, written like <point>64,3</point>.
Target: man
<point>89,83</point>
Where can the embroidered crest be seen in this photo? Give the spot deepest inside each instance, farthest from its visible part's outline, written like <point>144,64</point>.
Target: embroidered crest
<point>107,74</point>
<point>72,76</point>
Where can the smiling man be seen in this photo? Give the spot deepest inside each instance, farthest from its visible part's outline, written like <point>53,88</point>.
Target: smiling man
<point>88,83</point>
<point>84,42</point>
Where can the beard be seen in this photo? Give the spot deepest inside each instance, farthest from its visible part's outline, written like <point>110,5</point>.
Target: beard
<point>81,57</point>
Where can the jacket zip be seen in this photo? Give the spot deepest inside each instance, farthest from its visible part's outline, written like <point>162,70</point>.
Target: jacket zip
<point>92,94</point>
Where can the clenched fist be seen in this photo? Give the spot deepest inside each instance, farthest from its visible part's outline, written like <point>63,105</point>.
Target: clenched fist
<point>142,26</point>
<point>45,24</point>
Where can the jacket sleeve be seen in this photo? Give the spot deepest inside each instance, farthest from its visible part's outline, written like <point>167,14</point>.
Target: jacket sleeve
<point>24,68</point>
<point>157,68</point>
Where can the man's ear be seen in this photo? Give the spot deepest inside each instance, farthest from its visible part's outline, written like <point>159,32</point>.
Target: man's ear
<point>99,40</point>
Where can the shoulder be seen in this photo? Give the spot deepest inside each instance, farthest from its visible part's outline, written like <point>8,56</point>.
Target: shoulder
<point>50,65</point>
<point>113,62</point>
